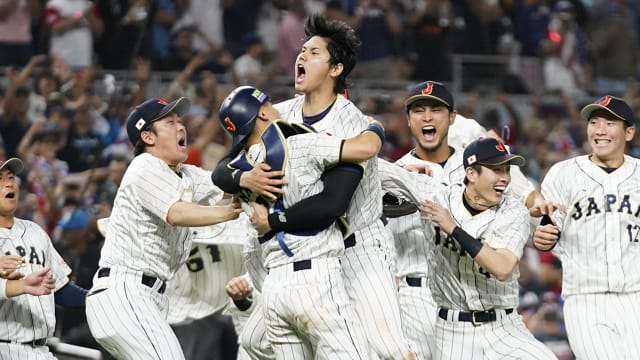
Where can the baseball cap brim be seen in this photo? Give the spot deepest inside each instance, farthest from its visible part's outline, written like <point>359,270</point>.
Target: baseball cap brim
<point>587,110</point>
<point>179,106</point>
<point>414,98</point>
<point>14,164</point>
<point>512,159</point>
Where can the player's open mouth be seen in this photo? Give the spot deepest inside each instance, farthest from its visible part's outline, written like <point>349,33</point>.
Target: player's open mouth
<point>428,132</point>
<point>300,73</point>
<point>500,189</point>
<point>10,195</point>
<point>602,141</point>
<point>182,142</point>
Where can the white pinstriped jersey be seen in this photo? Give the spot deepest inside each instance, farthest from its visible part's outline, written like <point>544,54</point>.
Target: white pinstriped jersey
<point>458,281</point>
<point>25,317</point>
<point>411,247</point>
<point>345,120</point>
<point>599,245</point>
<point>308,156</point>
<point>253,261</point>
<point>138,235</point>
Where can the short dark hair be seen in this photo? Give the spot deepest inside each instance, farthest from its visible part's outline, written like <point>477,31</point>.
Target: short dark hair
<point>343,44</point>
<point>477,168</point>
<point>140,146</point>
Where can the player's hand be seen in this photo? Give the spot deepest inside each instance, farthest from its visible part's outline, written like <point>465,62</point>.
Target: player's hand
<point>438,215</point>
<point>39,283</point>
<point>238,288</point>
<point>234,208</point>
<point>545,236</point>
<point>261,180</point>
<point>260,218</point>
<point>419,168</point>
<point>9,264</point>
<point>545,207</point>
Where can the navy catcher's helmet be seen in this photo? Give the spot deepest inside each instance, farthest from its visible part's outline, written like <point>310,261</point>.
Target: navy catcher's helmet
<point>239,111</point>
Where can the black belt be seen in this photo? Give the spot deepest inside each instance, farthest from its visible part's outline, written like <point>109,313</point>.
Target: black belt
<point>36,342</point>
<point>474,317</point>
<point>415,282</point>
<point>350,241</point>
<point>302,265</point>
<point>147,280</point>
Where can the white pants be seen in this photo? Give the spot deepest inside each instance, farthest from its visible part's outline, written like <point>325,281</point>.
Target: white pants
<point>603,326</point>
<point>418,312</point>
<point>129,318</point>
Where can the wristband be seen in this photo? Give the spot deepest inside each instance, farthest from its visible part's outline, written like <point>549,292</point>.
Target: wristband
<point>243,304</point>
<point>546,220</point>
<point>470,244</point>
<point>376,129</point>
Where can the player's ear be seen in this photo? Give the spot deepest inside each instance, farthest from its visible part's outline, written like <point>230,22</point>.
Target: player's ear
<point>629,133</point>
<point>471,174</point>
<point>147,137</point>
<point>336,70</point>
<point>452,117</point>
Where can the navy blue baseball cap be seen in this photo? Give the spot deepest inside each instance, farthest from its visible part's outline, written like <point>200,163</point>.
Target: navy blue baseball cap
<point>430,90</point>
<point>141,118</point>
<point>15,165</point>
<point>238,112</point>
<point>489,151</point>
<point>614,105</point>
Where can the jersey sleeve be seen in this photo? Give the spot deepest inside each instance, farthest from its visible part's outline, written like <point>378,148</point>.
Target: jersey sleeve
<point>59,267</point>
<point>323,150</point>
<point>552,188</point>
<point>412,187</point>
<point>520,186</point>
<point>204,191</point>
<point>510,229</point>
<point>156,186</point>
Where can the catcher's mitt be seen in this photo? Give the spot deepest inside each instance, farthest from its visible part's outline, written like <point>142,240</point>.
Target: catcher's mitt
<point>393,207</point>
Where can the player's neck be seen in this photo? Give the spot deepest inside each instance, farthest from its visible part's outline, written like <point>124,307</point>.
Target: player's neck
<point>437,156</point>
<point>7,221</point>
<point>607,163</point>
<point>316,102</point>
<point>473,199</point>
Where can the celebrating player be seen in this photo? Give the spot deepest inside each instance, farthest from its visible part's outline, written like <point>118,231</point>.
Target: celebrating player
<point>149,236</point>
<point>321,69</point>
<point>304,277</point>
<point>478,235</point>
<point>598,239</point>
<point>27,322</point>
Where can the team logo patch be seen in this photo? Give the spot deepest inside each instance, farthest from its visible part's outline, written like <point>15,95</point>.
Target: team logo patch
<point>140,124</point>
<point>259,95</point>
<point>471,159</point>
<point>230,126</point>
<point>162,102</point>
<point>500,147</point>
<point>605,101</point>
<point>428,89</point>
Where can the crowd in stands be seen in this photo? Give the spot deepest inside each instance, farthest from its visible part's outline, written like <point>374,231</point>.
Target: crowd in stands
<point>62,113</point>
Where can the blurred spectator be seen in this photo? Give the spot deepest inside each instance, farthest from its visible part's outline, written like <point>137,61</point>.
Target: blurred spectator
<point>249,68</point>
<point>206,17</point>
<point>429,29</point>
<point>239,18</point>
<point>164,17</point>
<point>106,189</point>
<point>615,52</point>
<point>530,19</point>
<point>15,30</point>
<point>13,119</point>
<point>565,53</point>
<point>83,150</point>
<point>183,52</point>
<point>72,25</point>
<point>378,27</point>
<point>291,36</point>
<point>128,35</point>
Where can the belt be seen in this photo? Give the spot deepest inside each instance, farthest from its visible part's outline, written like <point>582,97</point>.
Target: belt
<point>412,281</point>
<point>474,317</point>
<point>147,280</point>
<point>302,265</point>
<point>36,342</point>
<point>350,241</point>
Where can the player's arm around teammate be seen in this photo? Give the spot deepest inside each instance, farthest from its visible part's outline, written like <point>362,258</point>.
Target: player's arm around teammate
<point>37,283</point>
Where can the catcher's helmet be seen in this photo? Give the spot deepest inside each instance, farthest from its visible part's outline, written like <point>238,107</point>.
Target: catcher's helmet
<point>239,110</point>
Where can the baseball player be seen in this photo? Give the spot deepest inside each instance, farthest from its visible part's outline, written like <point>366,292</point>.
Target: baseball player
<point>597,239</point>
<point>28,321</point>
<point>306,307</point>
<point>149,235</point>
<point>430,116</point>
<point>321,69</point>
<point>477,236</point>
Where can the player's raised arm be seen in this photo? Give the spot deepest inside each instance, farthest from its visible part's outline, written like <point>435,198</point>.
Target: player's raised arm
<point>364,146</point>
